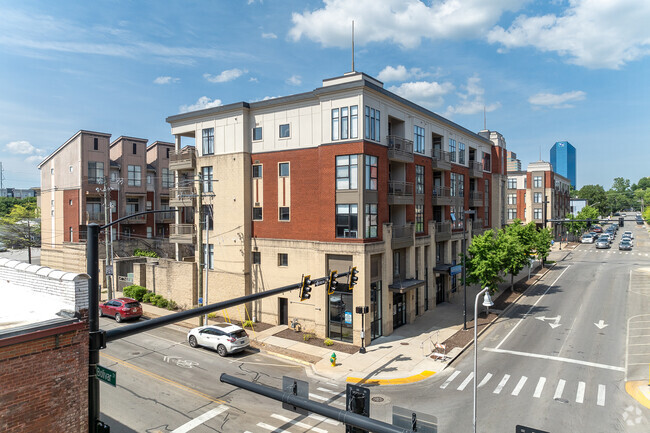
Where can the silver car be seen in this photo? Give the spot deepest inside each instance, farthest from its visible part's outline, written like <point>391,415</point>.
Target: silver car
<point>225,338</point>
<point>602,243</point>
<point>587,239</point>
<point>625,245</point>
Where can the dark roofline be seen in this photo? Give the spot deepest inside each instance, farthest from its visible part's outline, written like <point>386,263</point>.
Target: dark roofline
<point>126,137</point>
<point>159,143</point>
<point>81,131</point>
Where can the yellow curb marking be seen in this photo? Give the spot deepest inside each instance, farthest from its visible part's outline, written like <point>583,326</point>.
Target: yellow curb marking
<point>632,388</point>
<point>279,355</point>
<point>398,381</point>
<point>162,379</point>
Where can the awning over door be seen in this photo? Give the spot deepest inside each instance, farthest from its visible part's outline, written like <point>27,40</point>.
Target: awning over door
<point>404,286</point>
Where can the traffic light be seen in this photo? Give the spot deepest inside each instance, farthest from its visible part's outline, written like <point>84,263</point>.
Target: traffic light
<point>332,284</point>
<point>621,221</point>
<point>305,288</point>
<point>352,278</point>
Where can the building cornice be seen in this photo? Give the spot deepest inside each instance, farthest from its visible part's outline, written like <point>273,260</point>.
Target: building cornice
<point>78,133</point>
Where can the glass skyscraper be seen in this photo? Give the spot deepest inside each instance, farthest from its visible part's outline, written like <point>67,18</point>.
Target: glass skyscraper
<point>563,160</point>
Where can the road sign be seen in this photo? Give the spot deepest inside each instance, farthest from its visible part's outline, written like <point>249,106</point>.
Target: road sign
<point>106,375</point>
<point>296,387</point>
<point>455,270</point>
<point>109,270</point>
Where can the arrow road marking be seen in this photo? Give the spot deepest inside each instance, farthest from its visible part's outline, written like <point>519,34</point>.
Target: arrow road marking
<point>556,320</point>
<point>601,324</point>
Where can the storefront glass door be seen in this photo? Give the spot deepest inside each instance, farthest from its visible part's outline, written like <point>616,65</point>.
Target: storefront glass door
<point>375,310</point>
<point>399,310</point>
<point>340,316</point>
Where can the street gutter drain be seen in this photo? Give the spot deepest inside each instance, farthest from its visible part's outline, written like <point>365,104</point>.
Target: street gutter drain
<point>377,399</point>
<point>404,344</point>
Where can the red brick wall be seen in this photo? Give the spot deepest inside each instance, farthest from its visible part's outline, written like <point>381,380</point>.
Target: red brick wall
<point>44,379</point>
<point>71,215</point>
<point>549,181</point>
<point>521,205</point>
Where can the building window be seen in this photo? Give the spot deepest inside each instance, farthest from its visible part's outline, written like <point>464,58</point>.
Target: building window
<point>419,218</point>
<point>206,175</point>
<point>208,256</point>
<point>461,185</point>
<point>537,213</point>
<point>283,259</point>
<point>148,205</point>
<point>537,197</point>
<point>132,206</point>
<point>206,213</point>
<point>354,121</point>
<point>285,131</point>
<point>149,179</point>
<point>487,166</point>
<point>371,173</point>
<point>167,178</point>
<point>335,124</point>
<point>486,198</point>
<point>257,259</point>
<point>257,213</point>
<point>70,202</point>
<point>208,141</point>
<point>371,220</point>
<point>452,150</point>
<point>96,172</point>
<point>512,198</point>
<point>419,179</point>
<point>461,152</point>
<point>346,221</point>
<point>71,234</point>
<point>135,148</point>
<point>418,139</point>
<point>346,172</point>
<point>345,123</point>
<point>512,214</point>
<point>257,171</point>
<point>283,214</point>
<point>167,153</point>
<point>283,169</point>
<point>95,143</point>
<point>135,175</point>
<point>373,129</point>
<point>537,182</point>
<point>257,133</point>
<point>149,232</point>
<point>453,184</point>
<point>512,183</point>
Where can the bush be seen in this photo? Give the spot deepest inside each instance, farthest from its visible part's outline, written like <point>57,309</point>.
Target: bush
<point>307,337</point>
<point>248,323</point>
<point>172,305</point>
<point>212,315</point>
<point>134,291</point>
<point>147,297</point>
<point>145,253</point>
<point>162,302</point>
<point>328,342</point>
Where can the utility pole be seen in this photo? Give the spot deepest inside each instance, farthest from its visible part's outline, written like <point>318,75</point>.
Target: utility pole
<point>105,190</point>
<point>199,237</point>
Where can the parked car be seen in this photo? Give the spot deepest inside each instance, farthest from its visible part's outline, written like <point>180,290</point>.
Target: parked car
<point>587,239</point>
<point>2,248</point>
<point>225,338</point>
<point>602,243</point>
<point>624,245</point>
<point>121,309</point>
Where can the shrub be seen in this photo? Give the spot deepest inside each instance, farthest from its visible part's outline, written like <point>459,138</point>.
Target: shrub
<point>307,337</point>
<point>212,315</point>
<point>162,303</point>
<point>154,299</point>
<point>328,342</point>
<point>248,323</point>
<point>172,305</point>
<point>147,297</point>
<point>134,291</point>
<point>145,253</point>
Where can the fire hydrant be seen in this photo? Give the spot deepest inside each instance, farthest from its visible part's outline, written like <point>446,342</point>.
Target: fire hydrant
<point>333,359</point>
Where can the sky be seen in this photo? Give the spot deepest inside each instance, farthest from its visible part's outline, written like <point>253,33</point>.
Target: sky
<point>541,70</point>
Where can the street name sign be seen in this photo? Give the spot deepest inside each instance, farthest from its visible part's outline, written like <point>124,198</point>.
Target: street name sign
<point>106,375</point>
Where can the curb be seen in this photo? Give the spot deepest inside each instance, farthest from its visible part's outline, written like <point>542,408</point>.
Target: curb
<point>397,381</point>
<point>633,390</point>
<point>288,358</point>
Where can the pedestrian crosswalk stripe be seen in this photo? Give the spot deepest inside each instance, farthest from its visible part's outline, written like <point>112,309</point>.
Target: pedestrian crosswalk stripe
<point>601,395</point>
<point>298,423</point>
<point>503,382</point>
<point>580,395</point>
<point>485,379</point>
<point>321,398</point>
<point>560,389</point>
<point>540,387</point>
<point>448,381</point>
<point>329,391</point>
<point>520,385</point>
<point>467,380</point>
<point>323,419</point>
<point>270,427</point>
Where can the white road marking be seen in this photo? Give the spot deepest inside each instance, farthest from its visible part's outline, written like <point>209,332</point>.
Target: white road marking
<point>519,386</point>
<point>540,387</point>
<point>556,358</point>
<point>580,394</point>
<point>485,379</point>
<point>448,381</point>
<point>270,427</point>
<point>560,389</point>
<point>298,423</point>
<point>532,306</point>
<point>501,384</point>
<point>329,391</point>
<point>323,419</point>
<point>601,395</point>
<point>201,419</point>
<point>467,380</point>
<point>321,398</point>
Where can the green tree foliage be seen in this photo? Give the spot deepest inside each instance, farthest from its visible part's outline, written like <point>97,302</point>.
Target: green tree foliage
<point>596,197</point>
<point>485,260</point>
<point>21,228</point>
<point>620,196</point>
<point>644,183</point>
<point>7,204</point>
<point>145,253</point>
<point>515,252</point>
<point>578,227</point>
<point>543,244</point>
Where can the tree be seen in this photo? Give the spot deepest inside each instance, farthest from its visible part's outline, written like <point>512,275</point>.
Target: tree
<point>485,260</point>
<point>644,183</point>
<point>543,244</point>
<point>515,253</point>
<point>595,196</point>
<point>21,228</point>
<point>586,213</point>
<point>7,204</point>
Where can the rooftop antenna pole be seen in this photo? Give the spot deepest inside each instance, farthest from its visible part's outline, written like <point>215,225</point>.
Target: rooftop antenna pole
<point>352,45</point>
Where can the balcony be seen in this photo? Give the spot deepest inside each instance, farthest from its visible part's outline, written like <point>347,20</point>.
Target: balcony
<point>182,233</point>
<point>184,159</point>
<point>95,217</point>
<point>475,169</point>
<point>475,199</point>
<point>399,149</point>
<point>442,196</point>
<point>165,217</point>
<point>477,226</point>
<point>400,193</point>
<point>402,236</point>
<point>140,219</point>
<point>441,160</point>
<point>182,196</point>
<point>443,231</point>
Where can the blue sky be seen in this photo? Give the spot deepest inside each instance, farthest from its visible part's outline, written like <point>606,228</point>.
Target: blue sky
<point>545,71</point>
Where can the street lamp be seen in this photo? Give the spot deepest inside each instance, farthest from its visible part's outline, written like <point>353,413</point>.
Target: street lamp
<point>487,302</point>
<point>466,212</point>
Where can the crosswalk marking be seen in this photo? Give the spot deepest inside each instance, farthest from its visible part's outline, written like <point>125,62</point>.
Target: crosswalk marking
<point>485,379</point>
<point>540,387</point>
<point>321,398</point>
<point>466,381</point>
<point>270,427</point>
<point>190,425</point>
<point>503,382</point>
<point>329,391</point>
<point>560,389</point>
<point>580,395</point>
<point>448,381</point>
<point>520,385</point>
<point>298,423</point>
<point>323,419</point>
<point>601,395</point>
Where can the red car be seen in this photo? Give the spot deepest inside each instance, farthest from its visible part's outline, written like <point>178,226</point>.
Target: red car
<point>597,229</point>
<point>121,308</point>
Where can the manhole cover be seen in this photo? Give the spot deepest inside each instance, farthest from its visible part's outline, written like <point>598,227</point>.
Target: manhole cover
<point>562,400</point>
<point>404,344</point>
<point>377,399</point>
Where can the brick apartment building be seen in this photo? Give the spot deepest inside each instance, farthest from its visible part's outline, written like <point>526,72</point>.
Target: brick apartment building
<point>349,174</point>
<point>526,191</point>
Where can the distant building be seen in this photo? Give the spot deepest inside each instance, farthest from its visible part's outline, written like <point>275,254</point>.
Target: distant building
<point>18,193</point>
<point>577,204</point>
<point>513,164</point>
<point>563,160</point>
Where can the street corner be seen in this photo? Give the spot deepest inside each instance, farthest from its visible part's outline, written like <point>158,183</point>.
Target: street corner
<point>393,381</point>
<point>640,391</point>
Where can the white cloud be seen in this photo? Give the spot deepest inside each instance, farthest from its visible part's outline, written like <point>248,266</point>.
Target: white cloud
<point>202,103</point>
<point>35,159</point>
<point>403,22</point>
<point>253,80</point>
<point>472,100</point>
<point>269,36</point>
<point>591,33</point>
<point>562,100</point>
<point>425,93</point>
<point>294,80</point>
<point>225,76</point>
<point>166,80</point>
<point>22,147</point>
<point>400,73</point>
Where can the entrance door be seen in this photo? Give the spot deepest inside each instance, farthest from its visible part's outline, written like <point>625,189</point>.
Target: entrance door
<point>375,310</point>
<point>340,316</point>
<point>440,289</point>
<point>399,310</point>
<point>284,311</point>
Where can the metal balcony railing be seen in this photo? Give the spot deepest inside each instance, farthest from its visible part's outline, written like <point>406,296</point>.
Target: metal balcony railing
<point>399,188</point>
<point>95,216</point>
<point>475,169</point>
<point>441,191</point>
<point>399,148</point>
<point>403,232</point>
<point>184,159</point>
<point>441,155</point>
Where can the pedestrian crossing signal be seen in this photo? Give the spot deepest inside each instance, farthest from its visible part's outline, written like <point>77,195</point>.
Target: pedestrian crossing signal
<point>305,288</point>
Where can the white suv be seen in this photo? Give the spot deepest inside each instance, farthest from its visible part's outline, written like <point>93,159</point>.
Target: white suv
<point>225,338</point>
